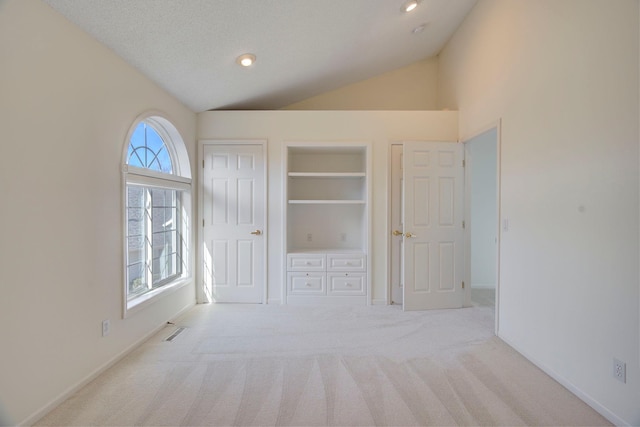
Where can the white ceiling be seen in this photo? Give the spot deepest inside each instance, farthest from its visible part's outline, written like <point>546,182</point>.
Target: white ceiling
<point>304,47</point>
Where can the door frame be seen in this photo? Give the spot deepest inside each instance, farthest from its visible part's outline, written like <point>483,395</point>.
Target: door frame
<point>389,228</point>
<point>389,292</point>
<point>201,297</point>
<point>497,125</point>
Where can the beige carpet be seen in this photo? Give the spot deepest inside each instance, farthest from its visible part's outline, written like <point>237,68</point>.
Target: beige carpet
<point>351,366</point>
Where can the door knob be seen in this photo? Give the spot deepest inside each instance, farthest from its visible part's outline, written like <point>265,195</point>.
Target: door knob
<point>397,233</point>
<point>257,232</point>
<point>409,235</point>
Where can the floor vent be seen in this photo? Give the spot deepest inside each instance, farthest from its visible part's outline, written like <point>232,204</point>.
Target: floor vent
<point>174,335</point>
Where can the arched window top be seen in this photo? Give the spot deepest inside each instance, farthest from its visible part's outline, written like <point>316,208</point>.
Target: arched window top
<point>154,147</point>
<point>148,150</point>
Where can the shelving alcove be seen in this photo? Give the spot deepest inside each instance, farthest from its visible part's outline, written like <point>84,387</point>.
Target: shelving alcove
<point>327,217</point>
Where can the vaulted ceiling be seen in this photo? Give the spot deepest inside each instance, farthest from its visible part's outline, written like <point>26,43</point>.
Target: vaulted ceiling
<point>303,47</point>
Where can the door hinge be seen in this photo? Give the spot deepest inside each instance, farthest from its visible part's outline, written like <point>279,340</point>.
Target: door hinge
<point>463,285</point>
<point>463,225</point>
<point>203,222</point>
<point>202,163</point>
<point>464,163</point>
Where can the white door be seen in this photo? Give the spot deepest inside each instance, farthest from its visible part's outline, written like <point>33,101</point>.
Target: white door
<point>234,214</point>
<point>433,229</point>
<point>397,239</point>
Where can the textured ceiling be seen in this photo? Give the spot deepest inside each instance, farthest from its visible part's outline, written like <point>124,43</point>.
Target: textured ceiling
<point>304,47</point>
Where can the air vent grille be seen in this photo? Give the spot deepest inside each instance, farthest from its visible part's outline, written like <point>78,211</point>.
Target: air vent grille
<point>174,335</point>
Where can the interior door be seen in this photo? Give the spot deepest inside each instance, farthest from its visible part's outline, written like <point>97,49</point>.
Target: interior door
<point>397,240</point>
<point>233,221</point>
<point>433,229</point>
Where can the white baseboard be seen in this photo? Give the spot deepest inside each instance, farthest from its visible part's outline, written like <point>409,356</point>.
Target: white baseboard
<point>274,301</point>
<point>33,418</point>
<point>378,301</point>
<point>483,286</point>
<point>586,398</point>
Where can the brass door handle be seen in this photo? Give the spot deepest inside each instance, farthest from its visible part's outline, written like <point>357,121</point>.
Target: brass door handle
<point>409,235</point>
<point>257,232</point>
<point>397,233</point>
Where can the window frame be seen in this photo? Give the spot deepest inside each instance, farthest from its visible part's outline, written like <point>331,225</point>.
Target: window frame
<point>180,181</point>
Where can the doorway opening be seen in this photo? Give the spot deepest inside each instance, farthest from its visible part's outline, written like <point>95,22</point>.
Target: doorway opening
<point>482,211</point>
<point>481,201</point>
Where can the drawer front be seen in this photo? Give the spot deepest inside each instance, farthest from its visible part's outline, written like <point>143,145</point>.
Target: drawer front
<point>306,283</point>
<point>304,262</point>
<point>346,262</point>
<point>346,283</point>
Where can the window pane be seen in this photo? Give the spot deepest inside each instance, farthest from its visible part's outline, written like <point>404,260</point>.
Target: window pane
<point>171,219</point>
<point>158,244</point>
<point>136,280</point>
<point>158,197</point>
<point>135,221</point>
<point>136,157</point>
<point>135,250</point>
<point>153,252</point>
<point>135,196</point>
<point>154,142</point>
<point>148,150</point>
<point>165,161</point>
<point>135,226</point>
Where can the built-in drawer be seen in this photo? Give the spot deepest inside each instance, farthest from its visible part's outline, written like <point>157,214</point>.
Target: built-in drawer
<point>346,262</point>
<point>306,283</point>
<point>346,283</point>
<point>306,262</point>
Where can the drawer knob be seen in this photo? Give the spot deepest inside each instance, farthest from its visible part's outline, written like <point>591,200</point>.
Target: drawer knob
<point>308,262</point>
<point>308,284</point>
<point>348,284</point>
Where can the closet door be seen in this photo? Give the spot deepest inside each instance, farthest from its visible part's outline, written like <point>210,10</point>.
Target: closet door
<point>234,214</point>
<point>433,271</point>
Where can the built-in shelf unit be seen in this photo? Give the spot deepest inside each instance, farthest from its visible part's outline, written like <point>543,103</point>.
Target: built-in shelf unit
<point>327,219</point>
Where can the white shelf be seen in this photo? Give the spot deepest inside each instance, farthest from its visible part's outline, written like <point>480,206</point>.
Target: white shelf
<point>326,202</point>
<point>327,174</point>
<point>327,214</point>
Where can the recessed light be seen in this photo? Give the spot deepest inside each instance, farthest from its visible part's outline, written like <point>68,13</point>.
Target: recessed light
<point>246,60</point>
<point>410,5</point>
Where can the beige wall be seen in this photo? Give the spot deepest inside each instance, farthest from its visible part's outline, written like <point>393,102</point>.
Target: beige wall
<point>562,75</point>
<point>409,88</point>
<point>379,127</point>
<point>66,105</point>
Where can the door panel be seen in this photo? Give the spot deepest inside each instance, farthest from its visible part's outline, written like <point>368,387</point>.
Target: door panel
<point>397,213</point>
<point>245,263</point>
<point>433,234</point>
<point>234,199</point>
<point>220,256</point>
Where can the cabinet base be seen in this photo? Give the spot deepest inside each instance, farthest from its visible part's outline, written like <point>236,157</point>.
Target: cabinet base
<point>326,300</point>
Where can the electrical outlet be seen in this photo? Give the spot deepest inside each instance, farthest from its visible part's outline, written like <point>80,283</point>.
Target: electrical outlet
<point>309,237</point>
<point>619,370</point>
<point>106,327</point>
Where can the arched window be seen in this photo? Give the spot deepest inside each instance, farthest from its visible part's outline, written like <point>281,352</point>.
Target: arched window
<point>157,210</point>
<point>148,150</point>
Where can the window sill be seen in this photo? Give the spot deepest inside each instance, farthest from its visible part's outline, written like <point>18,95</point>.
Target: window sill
<point>139,303</point>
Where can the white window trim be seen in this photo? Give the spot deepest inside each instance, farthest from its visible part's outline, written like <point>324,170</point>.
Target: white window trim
<point>137,176</point>
<point>139,303</point>
<point>180,180</point>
